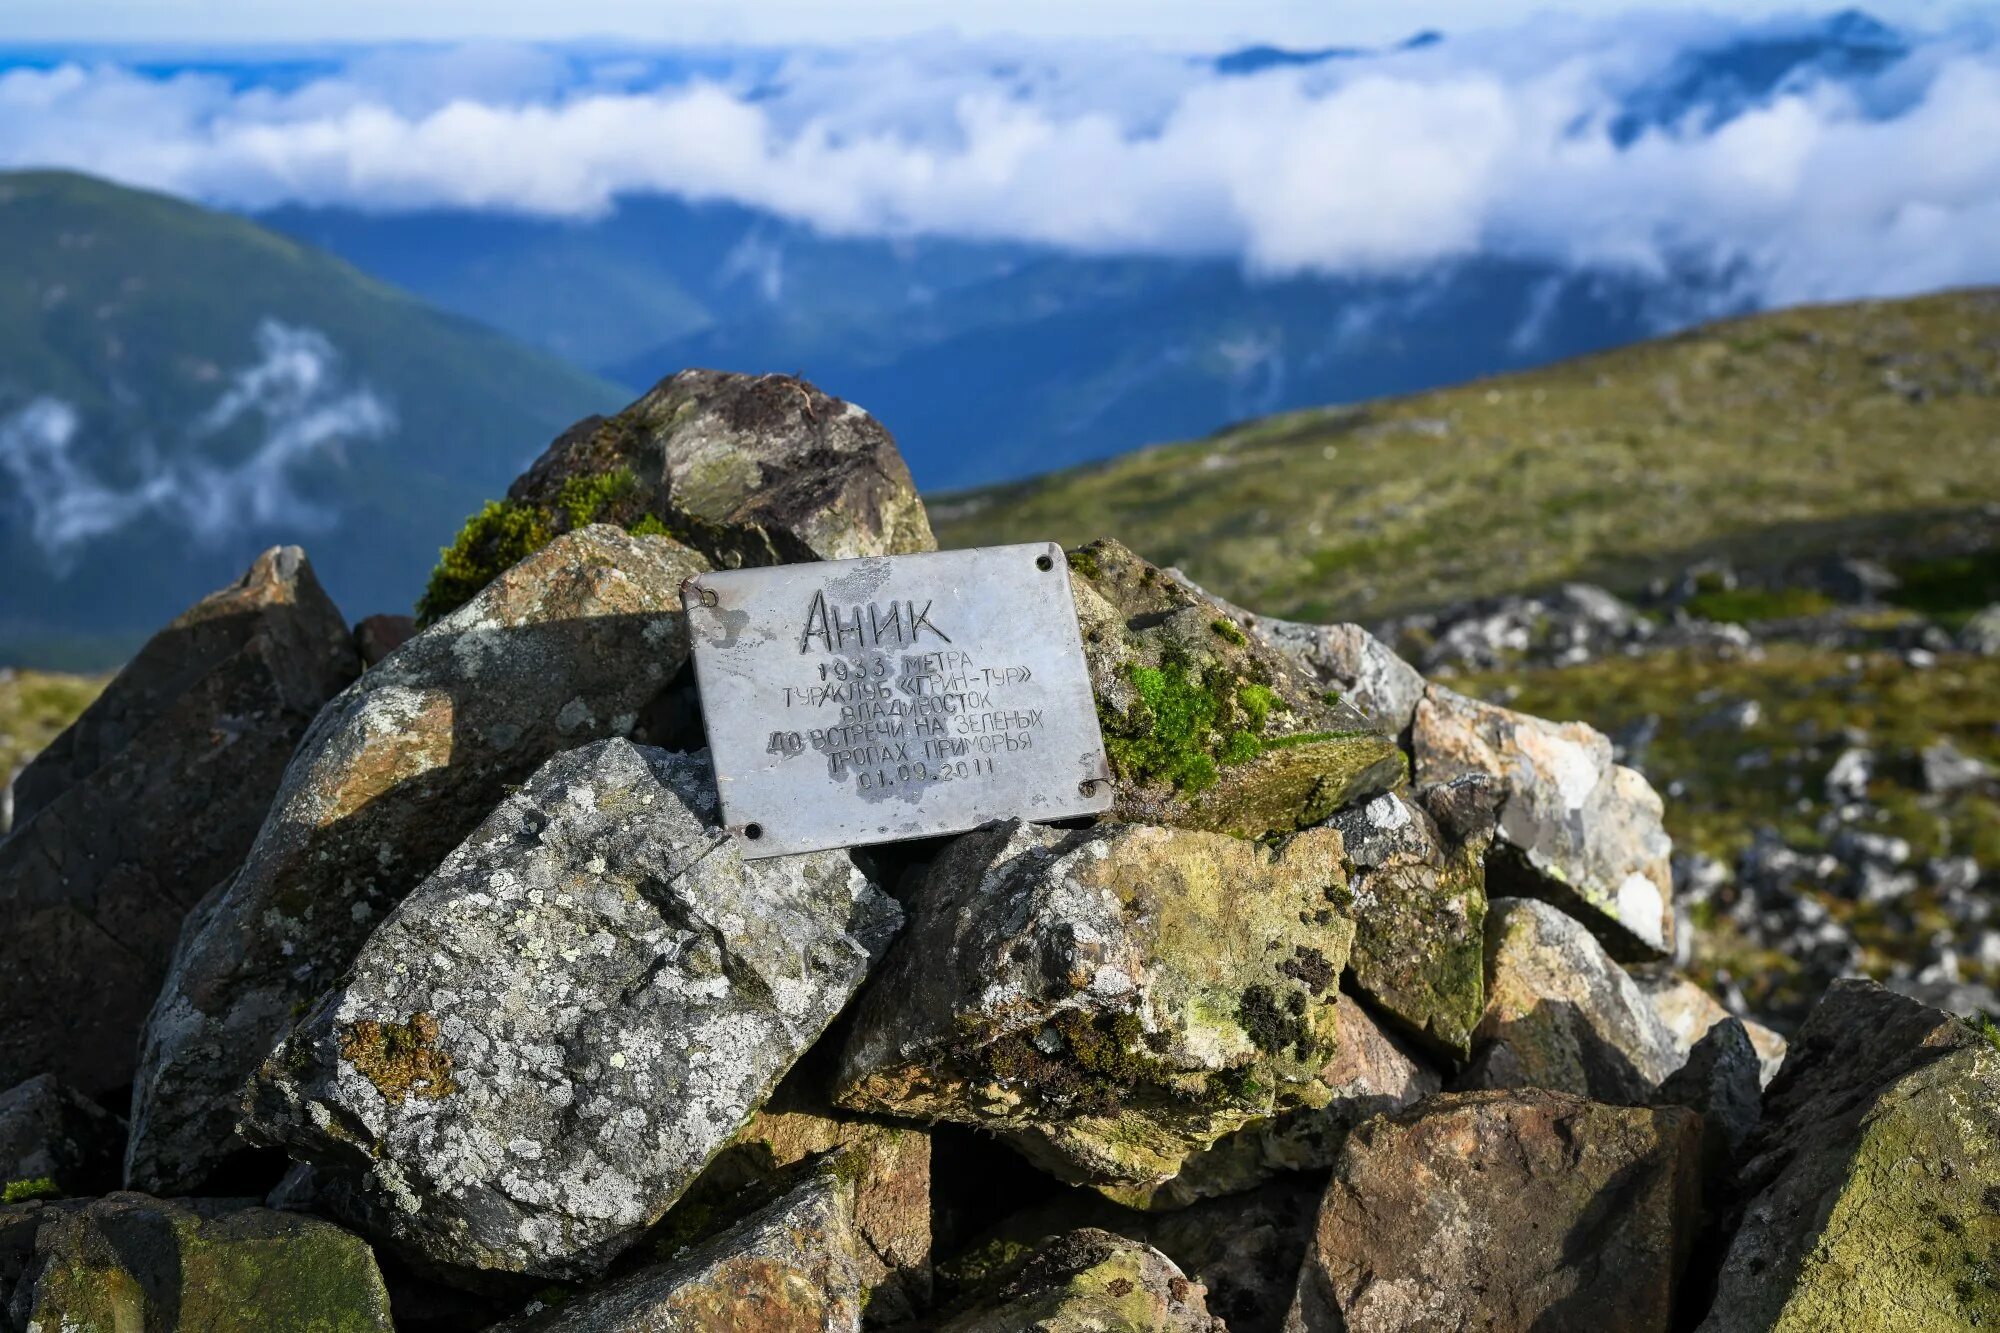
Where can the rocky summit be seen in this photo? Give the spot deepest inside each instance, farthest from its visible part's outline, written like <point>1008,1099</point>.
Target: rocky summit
<point>410,972</point>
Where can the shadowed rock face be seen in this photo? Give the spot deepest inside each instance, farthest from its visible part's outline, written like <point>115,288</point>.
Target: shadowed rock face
<point>536,1054</point>
<point>51,1134</point>
<point>1574,827</point>
<point>128,1261</point>
<point>145,803</point>
<point>794,1266</point>
<point>1871,1187</point>
<point>1205,726</point>
<point>567,647</point>
<point>1108,1000</point>
<point>1534,1209</point>
<point>748,470</point>
<point>1092,1281</point>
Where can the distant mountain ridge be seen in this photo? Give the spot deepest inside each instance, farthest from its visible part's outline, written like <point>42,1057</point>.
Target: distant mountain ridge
<point>181,388</point>
<point>993,361</point>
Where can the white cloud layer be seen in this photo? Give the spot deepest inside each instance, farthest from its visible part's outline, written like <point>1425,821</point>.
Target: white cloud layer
<point>1504,143</point>
<point>291,395</point>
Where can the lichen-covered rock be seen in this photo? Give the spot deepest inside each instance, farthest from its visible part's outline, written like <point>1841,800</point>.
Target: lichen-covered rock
<point>1108,1000</point>
<point>1720,1080</point>
<point>1872,1184</point>
<point>1205,727</point>
<point>746,469</point>
<point>1419,905</point>
<point>1575,827</point>
<point>1560,1014</point>
<point>54,1140</point>
<point>1371,1074</point>
<point>1092,1281</point>
<point>888,1164</point>
<point>565,648</point>
<point>128,1261</point>
<point>794,1266</point>
<point>1351,662</point>
<point>143,804</point>
<point>540,1049</point>
<point>1505,1211</point>
<point>1689,1012</point>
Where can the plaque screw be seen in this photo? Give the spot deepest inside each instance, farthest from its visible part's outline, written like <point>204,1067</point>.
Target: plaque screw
<point>1086,787</point>
<point>1044,564</point>
<point>753,831</point>
<point>708,597</point>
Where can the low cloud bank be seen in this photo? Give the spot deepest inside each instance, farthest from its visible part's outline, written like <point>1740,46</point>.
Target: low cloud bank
<point>1867,166</point>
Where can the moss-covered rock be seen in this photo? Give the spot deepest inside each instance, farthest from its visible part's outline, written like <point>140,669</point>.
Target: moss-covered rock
<point>1207,727</point>
<point>1418,897</point>
<point>792,1266</point>
<point>1107,1000</point>
<point>746,469</point>
<point>1872,1185</point>
<point>129,1261</point>
<point>1093,1281</point>
<point>54,1140</point>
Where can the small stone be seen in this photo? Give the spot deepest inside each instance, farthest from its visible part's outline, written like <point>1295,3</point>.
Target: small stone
<point>378,636</point>
<point>457,1091</point>
<point>1511,1211</point>
<point>148,800</point>
<point>54,1139</point>
<point>563,649</point>
<point>1351,662</point>
<point>1689,1012</point>
<point>1981,634</point>
<point>128,1261</point>
<point>1561,1015</point>
<point>1108,1000</point>
<point>1206,727</point>
<point>1947,770</point>
<point>1574,827</point>
<point>1093,1281</point>
<point>746,469</point>
<point>888,1165</point>
<point>1419,907</point>
<point>794,1266</point>
<point>1871,1187</point>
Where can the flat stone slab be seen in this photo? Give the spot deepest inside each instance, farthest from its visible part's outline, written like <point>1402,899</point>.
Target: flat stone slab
<point>875,700</point>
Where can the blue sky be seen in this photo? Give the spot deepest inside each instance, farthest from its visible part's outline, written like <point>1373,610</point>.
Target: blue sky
<point>792,21</point>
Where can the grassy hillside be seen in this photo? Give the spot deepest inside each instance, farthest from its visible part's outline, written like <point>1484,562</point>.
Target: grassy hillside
<point>1763,438</point>
<point>145,323</point>
<point>35,707</point>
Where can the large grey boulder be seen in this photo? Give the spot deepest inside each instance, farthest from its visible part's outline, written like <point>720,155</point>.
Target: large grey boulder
<point>129,1262</point>
<point>147,800</point>
<point>566,647</point>
<point>797,1265</point>
<point>1871,1186</point>
<point>747,469</point>
<point>1574,827</point>
<point>55,1140</point>
<point>1508,1211</point>
<point>540,1049</point>
<point>1560,1014</point>
<point>1107,1000</point>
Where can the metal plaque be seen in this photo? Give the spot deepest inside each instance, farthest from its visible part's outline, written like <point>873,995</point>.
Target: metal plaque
<point>860,701</point>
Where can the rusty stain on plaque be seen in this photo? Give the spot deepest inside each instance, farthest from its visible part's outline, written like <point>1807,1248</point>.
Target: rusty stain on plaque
<point>863,701</point>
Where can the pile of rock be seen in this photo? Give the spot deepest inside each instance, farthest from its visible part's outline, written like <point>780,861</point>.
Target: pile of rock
<point>1357,1014</point>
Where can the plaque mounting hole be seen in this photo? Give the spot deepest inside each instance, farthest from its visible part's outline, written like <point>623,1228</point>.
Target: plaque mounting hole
<point>753,831</point>
<point>1044,563</point>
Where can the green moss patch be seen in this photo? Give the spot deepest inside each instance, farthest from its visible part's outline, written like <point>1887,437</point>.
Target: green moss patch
<point>402,1060</point>
<point>20,1191</point>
